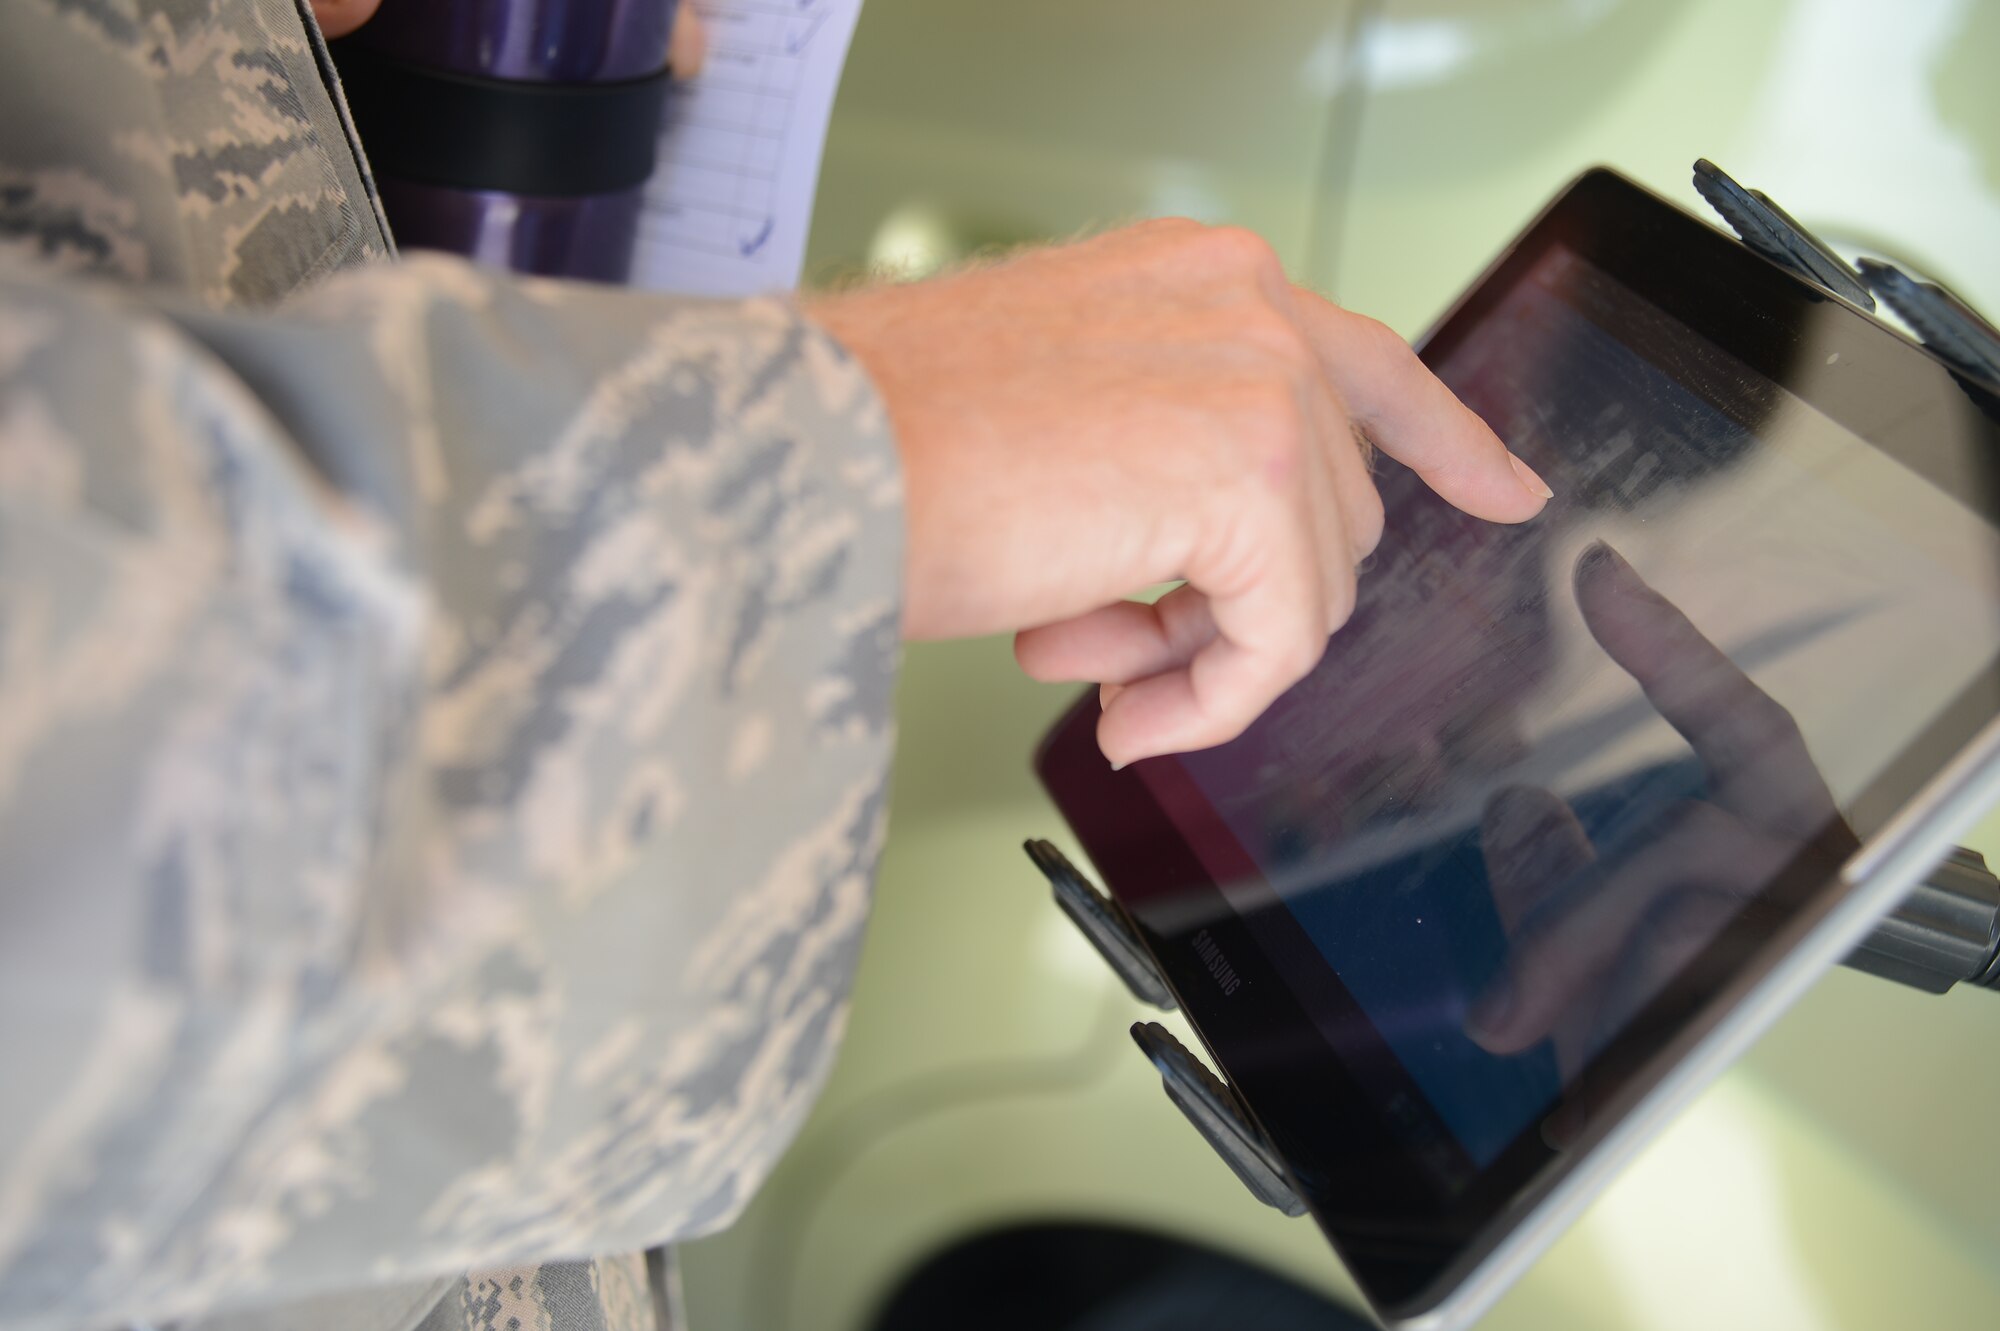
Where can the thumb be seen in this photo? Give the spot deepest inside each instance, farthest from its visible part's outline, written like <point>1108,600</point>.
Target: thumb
<point>689,44</point>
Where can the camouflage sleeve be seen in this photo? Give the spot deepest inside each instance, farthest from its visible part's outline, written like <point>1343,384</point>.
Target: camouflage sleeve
<point>443,727</point>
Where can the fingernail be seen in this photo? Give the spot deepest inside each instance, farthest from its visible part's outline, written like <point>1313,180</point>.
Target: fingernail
<point>1534,484</point>
<point>1596,557</point>
<point>1118,767</point>
<point>1488,1016</point>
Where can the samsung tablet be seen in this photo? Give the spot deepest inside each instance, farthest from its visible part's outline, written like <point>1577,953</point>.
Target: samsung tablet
<point>1571,810</point>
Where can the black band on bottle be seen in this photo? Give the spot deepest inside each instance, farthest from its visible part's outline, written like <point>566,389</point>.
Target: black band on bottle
<point>438,128</point>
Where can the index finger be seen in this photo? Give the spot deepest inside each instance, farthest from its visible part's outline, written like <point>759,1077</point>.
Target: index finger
<point>1410,415</point>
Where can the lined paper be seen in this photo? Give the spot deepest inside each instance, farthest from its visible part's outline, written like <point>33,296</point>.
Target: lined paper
<point>727,209</point>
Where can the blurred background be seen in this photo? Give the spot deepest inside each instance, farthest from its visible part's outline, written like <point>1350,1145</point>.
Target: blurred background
<point>993,1152</point>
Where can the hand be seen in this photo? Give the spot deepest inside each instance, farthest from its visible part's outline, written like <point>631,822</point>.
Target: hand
<point>1592,942</point>
<point>1157,403</point>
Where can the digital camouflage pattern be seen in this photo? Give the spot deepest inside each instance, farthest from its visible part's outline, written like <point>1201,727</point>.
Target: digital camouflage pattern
<point>443,723</point>
<point>618,1291</point>
<point>190,143</point>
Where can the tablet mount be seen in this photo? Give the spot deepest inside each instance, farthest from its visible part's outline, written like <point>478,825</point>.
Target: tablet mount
<point>1947,931</point>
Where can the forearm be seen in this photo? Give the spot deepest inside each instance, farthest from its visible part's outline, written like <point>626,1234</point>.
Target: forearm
<point>442,730</point>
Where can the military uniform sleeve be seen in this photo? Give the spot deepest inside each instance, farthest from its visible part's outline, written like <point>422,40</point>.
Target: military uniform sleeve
<point>443,732</point>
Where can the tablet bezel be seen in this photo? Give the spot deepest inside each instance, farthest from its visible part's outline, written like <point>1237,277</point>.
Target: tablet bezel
<point>1418,1260</point>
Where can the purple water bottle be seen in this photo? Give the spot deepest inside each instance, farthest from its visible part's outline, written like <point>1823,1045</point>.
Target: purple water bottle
<point>519,132</point>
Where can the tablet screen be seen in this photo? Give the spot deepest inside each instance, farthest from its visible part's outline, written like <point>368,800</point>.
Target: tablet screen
<point>1501,845</point>
<point>1558,791</point>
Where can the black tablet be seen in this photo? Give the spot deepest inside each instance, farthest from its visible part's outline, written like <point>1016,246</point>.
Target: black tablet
<point>1571,810</point>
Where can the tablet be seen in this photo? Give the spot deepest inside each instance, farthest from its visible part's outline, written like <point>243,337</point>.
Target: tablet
<point>1571,810</point>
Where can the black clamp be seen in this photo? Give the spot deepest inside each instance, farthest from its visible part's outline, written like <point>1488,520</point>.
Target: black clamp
<point>1102,921</point>
<point>1943,322</point>
<point>1772,232</point>
<point>1946,324</point>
